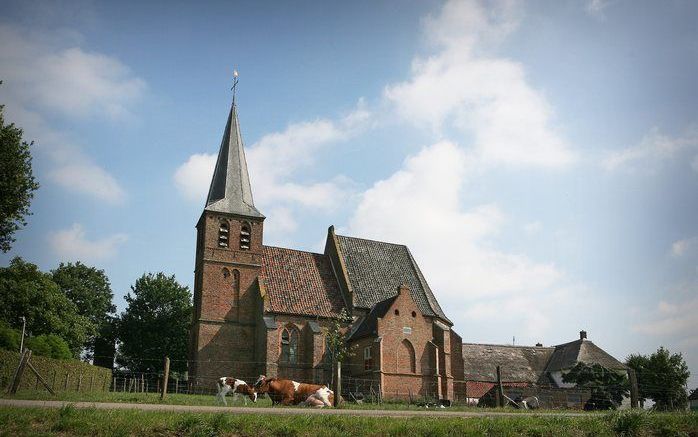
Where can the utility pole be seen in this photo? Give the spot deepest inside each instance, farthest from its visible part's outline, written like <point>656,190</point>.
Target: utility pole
<point>24,327</point>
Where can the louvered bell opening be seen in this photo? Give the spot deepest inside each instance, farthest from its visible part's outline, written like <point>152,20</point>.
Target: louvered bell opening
<point>244,239</point>
<point>223,230</point>
<point>223,237</point>
<point>245,246</point>
<point>222,244</point>
<point>245,232</point>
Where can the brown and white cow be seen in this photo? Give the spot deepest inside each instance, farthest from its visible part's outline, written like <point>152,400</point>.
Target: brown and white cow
<point>237,386</point>
<point>288,392</point>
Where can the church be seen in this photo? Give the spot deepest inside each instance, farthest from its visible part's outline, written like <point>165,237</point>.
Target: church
<point>265,310</point>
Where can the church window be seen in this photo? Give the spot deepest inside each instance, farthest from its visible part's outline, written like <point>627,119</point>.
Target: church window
<point>289,346</point>
<point>368,359</point>
<point>236,288</point>
<point>414,313</point>
<point>245,236</point>
<point>223,232</point>
<point>397,312</point>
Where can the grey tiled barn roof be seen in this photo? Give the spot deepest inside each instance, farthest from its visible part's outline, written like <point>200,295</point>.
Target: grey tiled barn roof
<point>376,269</point>
<point>568,354</point>
<point>518,363</point>
<point>230,190</point>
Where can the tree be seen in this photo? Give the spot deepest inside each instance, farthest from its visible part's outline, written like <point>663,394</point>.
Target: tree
<point>26,291</point>
<point>89,289</point>
<point>155,324</point>
<point>49,345</point>
<point>17,183</point>
<point>336,343</point>
<point>662,377</point>
<point>607,386</point>
<point>9,338</point>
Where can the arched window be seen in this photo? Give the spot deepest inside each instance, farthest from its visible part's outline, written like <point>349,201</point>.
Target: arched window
<point>289,346</point>
<point>223,232</point>
<point>245,236</point>
<point>236,288</point>
<point>406,360</point>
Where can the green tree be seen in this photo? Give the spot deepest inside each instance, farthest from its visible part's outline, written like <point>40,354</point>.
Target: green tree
<point>9,338</point>
<point>337,347</point>
<point>607,386</point>
<point>17,183</point>
<point>155,324</point>
<point>662,377</point>
<point>49,345</point>
<point>89,289</point>
<point>26,291</point>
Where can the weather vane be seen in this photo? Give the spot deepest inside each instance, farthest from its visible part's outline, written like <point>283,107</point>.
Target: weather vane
<point>235,83</point>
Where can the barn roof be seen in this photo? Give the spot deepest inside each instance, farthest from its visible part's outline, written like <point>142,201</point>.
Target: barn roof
<point>298,282</point>
<point>567,355</point>
<point>517,363</point>
<point>375,269</point>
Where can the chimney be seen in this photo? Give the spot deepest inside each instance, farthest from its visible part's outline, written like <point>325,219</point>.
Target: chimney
<point>582,335</point>
<point>539,344</point>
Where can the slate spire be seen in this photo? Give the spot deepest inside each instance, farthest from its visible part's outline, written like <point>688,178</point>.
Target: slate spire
<point>230,190</point>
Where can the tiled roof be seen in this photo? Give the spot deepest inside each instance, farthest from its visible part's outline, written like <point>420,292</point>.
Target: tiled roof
<point>300,283</point>
<point>376,269</point>
<point>517,363</point>
<point>369,325</point>
<point>568,354</point>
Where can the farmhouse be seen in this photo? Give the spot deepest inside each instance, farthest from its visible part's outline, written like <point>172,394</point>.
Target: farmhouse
<point>531,370</point>
<point>265,310</point>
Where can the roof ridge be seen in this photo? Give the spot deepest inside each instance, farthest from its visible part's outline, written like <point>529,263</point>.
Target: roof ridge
<point>508,345</point>
<point>373,241</point>
<point>294,250</point>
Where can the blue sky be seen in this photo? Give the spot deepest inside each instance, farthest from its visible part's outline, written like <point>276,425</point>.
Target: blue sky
<point>540,159</point>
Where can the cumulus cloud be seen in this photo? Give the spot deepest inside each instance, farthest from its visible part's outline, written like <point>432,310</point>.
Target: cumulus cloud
<point>655,147</point>
<point>483,96</point>
<point>682,247</point>
<point>40,73</point>
<point>73,244</point>
<point>46,74</point>
<point>193,178</point>
<point>596,8</point>
<point>676,319</point>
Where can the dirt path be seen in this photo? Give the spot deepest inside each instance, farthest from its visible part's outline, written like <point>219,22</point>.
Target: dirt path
<point>275,411</point>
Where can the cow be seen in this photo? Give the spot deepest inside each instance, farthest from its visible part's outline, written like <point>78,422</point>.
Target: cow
<point>288,392</point>
<point>237,386</point>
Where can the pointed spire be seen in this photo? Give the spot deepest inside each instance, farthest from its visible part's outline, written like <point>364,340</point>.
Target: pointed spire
<point>230,189</point>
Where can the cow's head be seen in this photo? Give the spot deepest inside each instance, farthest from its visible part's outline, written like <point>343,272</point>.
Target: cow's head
<point>251,392</point>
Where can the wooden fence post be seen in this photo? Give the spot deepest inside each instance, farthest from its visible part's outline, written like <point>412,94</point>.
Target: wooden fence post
<point>92,380</point>
<point>500,388</point>
<point>67,378</point>
<point>177,385</point>
<point>79,382</point>
<point>634,395</point>
<point>337,378</point>
<point>39,378</point>
<point>165,378</point>
<point>20,371</point>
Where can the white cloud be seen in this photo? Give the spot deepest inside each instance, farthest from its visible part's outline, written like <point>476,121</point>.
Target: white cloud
<point>682,247</point>
<point>532,228</point>
<point>40,73</point>
<point>87,177</point>
<point>673,319</point>
<point>596,8</point>
<point>193,178</point>
<point>419,206</point>
<point>72,244</point>
<point>654,148</point>
<point>483,96</point>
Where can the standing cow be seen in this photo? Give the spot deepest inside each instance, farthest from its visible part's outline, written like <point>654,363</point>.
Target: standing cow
<point>237,386</point>
<point>288,392</point>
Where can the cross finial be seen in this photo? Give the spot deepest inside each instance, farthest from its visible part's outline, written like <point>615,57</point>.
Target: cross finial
<point>235,83</point>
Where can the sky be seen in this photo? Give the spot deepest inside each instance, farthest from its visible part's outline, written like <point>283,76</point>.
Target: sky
<point>539,159</point>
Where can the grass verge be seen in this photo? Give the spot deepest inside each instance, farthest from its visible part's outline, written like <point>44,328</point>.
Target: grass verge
<point>91,422</point>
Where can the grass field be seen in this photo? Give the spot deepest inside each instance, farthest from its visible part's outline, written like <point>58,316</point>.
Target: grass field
<point>91,422</point>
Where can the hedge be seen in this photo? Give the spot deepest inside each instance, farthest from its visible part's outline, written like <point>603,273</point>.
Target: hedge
<point>79,375</point>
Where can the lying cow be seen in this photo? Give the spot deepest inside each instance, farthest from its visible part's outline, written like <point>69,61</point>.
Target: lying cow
<point>288,392</point>
<point>237,386</point>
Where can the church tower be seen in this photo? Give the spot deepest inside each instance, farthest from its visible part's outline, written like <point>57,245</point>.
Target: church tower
<point>228,262</point>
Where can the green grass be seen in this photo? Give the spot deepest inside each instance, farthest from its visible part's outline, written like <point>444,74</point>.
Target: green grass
<point>92,422</point>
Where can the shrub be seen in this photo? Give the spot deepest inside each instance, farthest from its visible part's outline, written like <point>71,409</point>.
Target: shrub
<point>49,345</point>
<point>9,338</point>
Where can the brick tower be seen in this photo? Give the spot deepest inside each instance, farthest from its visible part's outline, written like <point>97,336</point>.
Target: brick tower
<point>228,262</point>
